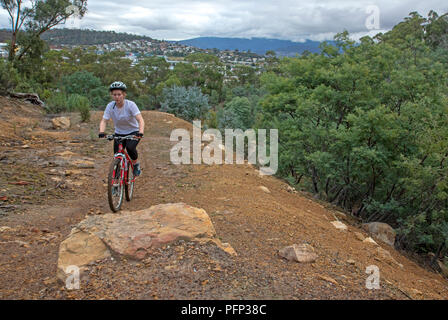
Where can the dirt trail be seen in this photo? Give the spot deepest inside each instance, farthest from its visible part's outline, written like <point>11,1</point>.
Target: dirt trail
<point>256,224</point>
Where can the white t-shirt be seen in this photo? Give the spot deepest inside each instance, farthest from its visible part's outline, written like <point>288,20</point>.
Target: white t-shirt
<point>124,117</point>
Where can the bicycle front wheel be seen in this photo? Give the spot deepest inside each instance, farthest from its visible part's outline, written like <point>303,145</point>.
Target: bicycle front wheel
<point>115,185</point>
<point>129,187</point>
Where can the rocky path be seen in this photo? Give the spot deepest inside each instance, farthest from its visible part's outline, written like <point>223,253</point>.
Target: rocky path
<point>51,180</point>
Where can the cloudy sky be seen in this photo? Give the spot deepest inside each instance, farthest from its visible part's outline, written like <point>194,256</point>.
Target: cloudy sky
<point>294,20</point>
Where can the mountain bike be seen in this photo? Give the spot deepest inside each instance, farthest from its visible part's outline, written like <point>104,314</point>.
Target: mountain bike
<point>121,178</point>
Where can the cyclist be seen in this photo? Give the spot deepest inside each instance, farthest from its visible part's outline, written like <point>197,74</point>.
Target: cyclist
<point>127,121</point>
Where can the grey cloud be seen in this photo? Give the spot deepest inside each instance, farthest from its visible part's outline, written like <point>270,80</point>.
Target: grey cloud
<point>284,19</point>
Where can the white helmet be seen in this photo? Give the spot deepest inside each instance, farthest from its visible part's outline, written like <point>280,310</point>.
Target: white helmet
<point>117,85</point>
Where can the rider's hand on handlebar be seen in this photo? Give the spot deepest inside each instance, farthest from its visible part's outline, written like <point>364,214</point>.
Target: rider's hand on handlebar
<point>101,135</point>
<point>140,135</point>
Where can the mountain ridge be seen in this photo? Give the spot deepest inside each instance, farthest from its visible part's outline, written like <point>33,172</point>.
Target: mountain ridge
<point>256,45</point>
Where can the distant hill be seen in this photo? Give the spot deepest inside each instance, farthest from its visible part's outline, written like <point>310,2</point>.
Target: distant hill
<point>81,37</point>
<point>88,37</point>
<point>5,35</point>
<point>257,45</point>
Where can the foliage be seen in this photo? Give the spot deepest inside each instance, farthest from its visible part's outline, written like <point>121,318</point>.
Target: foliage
<point>186,103</point>
<point>236,114</point>
<point>365,127</point>
<point>202,58</point>
<point>88,37</point>
<point>9,77</point>
<point>57,103</point>
<point>36,17</point>
<point>82,104</point>
<point>80,82</point>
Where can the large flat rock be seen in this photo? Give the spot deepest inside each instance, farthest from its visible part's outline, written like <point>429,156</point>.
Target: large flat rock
<point>135,234</point>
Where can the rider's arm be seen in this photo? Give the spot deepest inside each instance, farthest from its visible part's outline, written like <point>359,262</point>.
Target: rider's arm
<point>103,124</point>
<point>141,123</point>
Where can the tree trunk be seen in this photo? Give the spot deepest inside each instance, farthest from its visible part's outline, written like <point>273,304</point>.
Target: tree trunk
<point>436,256</point>
<point>12,51</point>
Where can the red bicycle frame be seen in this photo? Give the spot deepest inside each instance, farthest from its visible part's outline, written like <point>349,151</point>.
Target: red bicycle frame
<point>125,161</point>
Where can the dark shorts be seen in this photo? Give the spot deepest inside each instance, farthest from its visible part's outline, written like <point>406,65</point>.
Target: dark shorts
<point>129,145</point>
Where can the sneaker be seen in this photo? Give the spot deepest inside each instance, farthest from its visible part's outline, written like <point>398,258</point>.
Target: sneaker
<point>137,170</point>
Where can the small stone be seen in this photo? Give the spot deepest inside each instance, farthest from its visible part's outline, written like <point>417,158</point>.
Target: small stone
<point>34,229</point>
<point>72,172</point>
<point>61,123</point>
<point>300,253</point>
<point>381,231</point>
<point>369,240</point>
<point>291,189</point>
<point>339,225</point>
<point>329,279</point>
<point>340,214</point>
<point>360,236</point>
<point>228,249</point>
<point>416,292</point>
<point>385,256</point>
<point>83,164</point>
<point>264,189</point>
<point>351,261</point>
<point>22,243</point>
<point>169,268</point>
<point>5,228</point>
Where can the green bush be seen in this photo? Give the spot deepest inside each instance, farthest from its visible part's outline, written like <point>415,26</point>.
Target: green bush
<point>45,94</point>
<point>211,120</point>
<point>99,97</point>
<point>186,103</point>
<point>9,77</point>
<point>237,114</point>
<point>143,102</point>
<point>57,103</point>
<point>80,103</point>
<point>84,110</point>
<point>73,101</point>
<point>80,82</point>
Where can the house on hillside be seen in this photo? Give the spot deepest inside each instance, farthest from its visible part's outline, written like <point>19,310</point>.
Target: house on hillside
<point>3,52</point>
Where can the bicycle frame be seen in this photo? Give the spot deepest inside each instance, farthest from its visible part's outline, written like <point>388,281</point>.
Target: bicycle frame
<point>125,161</point>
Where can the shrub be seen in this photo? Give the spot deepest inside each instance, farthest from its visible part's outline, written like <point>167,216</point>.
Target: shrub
<point>73,102</point>
<point>45,94</point>
<point>211,120</point>
<point>84,110</point>
<point>143,102</point>
<point>99,97</point>
<point>9,77</point>
<point>80,103</point>
<point>80,82</point>
<point>57,103</point>
<point>186,103</point>
<point>236,114</point>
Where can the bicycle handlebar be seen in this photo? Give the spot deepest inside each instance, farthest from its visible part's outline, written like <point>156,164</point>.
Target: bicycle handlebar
<point>128,137</point>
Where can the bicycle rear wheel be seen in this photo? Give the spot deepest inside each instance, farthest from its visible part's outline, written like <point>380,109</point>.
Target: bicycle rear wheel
<point>129,187</point>
<point>115,185</point>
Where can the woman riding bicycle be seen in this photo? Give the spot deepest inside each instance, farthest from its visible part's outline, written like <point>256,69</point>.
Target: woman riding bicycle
<point>127,121</point>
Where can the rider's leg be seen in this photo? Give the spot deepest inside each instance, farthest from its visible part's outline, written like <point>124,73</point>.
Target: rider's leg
<point>131,147</point>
